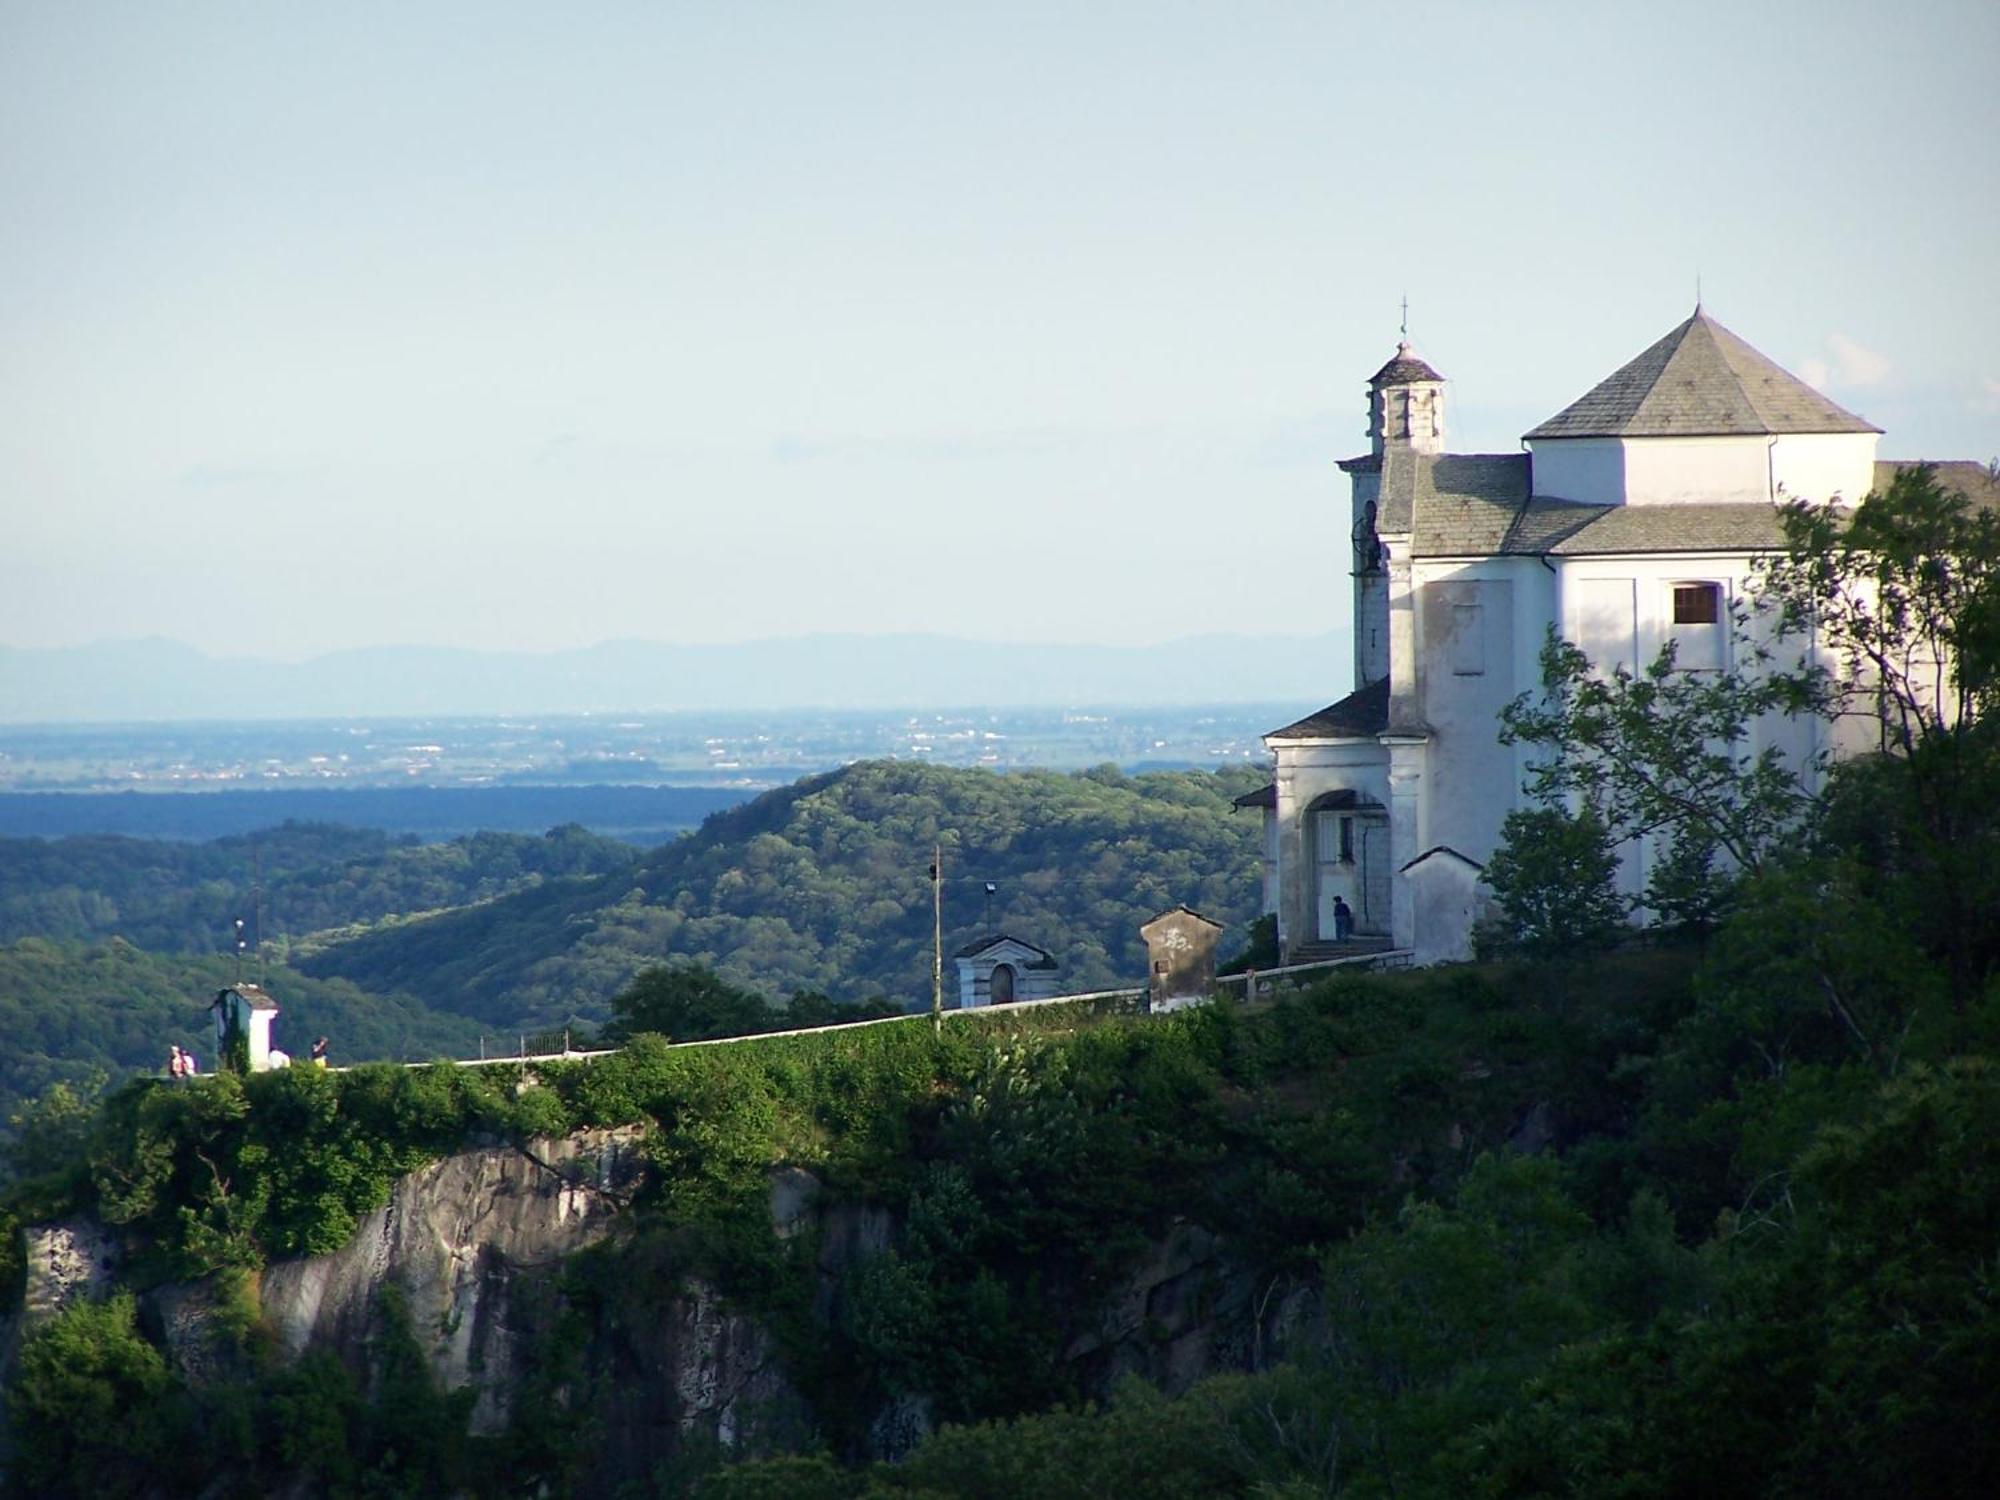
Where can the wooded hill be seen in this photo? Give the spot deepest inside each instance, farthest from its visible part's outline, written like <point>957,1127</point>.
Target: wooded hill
<point>824,885</point>
<point>82,1014</point>
<point>304,878</point>
<point>399,949</point>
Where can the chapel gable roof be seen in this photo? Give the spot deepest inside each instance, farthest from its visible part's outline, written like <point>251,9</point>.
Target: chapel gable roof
<point>1362,713</point>
<point>253,995</point>
<point>1178,915</point>
<point>1040,958</point>
<point>1701,380</point>
<point>1265,796</point>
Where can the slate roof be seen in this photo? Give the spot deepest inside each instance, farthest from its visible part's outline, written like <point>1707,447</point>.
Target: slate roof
<point>1045,960</point>
<point>1701,380</point>
<point>1973,480</point>
<point>1363,712</point>
<point>1404,369</point>
<point>1464,503</point>
<point>1674,528</point>
<point>1436,849</point>
<point>253,996</point>
<point>1475,505</point>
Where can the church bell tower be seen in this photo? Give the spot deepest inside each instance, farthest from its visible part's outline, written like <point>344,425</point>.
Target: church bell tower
<point>1406,405</point>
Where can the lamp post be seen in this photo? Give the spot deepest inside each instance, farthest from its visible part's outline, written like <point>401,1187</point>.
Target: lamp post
<point>937,939</point>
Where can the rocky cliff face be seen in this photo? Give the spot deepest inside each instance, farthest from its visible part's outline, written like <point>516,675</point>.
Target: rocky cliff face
<point>465,1241</point>
<point>474,1244</point>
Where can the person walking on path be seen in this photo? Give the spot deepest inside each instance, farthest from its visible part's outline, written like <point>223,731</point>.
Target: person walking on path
<point>319,1053</point>
<point>176,1062</point>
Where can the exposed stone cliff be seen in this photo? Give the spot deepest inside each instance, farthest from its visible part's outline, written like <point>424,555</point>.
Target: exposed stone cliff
<point>473,1245</point>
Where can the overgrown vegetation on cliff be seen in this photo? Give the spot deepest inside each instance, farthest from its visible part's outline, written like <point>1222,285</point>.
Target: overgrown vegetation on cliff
<point>1715,1219</point>
<point>1029,1157</point>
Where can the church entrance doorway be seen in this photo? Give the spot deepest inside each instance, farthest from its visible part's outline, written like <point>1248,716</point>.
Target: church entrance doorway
<point>1000,991</point>
<point>1350,861</point>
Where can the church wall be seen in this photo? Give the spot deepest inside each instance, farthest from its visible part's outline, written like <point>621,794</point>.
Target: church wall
<point>1472,667</point>
<point>1697,471</point>
<point>1588,470</point>
<point>1704,470</point>
<point>1822,465</point>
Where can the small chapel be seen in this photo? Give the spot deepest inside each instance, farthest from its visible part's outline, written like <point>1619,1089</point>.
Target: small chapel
<point>1631,517</point>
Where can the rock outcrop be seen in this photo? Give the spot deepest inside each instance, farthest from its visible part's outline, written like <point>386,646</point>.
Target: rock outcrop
<point>458,1239</point>
<point>473,1247</point>
<point>67,1261</point>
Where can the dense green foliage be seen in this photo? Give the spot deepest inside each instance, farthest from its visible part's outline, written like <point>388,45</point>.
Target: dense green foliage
<point>1789,1250</point>
<point>824,886</point>
<point>1718,1220</point>
<point>1555,879</point>
<point>687,1003</point>
<point>174,897</point>
<point>69,1012</point>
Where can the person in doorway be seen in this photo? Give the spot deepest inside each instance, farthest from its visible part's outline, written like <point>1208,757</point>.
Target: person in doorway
<point>1343,920</point>
<point>319,1053</point>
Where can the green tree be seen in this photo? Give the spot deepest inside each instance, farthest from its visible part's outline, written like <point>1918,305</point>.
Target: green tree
<point>687,1002</point>
<point>1555,877</point>
<point>1665,751</point>
<point>86,1405</point>
<point>1905,596</point>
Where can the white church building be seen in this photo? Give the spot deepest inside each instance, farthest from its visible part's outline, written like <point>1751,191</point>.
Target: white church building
<point>1632,516</point>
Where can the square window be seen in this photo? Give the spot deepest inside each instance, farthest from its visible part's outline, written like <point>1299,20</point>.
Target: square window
<point>1468,641</point>
<point>1697,604</point>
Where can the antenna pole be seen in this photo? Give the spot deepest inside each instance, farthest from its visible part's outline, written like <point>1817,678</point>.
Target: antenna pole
<point>257,904</point>
<point>937,939</point>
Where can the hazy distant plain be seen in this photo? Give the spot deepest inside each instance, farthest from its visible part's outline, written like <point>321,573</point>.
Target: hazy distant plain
<point>531,773</point>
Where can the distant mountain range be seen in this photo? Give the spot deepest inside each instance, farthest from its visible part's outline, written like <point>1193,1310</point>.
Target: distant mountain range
<point>155,679</point>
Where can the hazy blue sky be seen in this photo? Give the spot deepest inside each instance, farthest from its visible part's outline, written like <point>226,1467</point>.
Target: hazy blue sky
<point>534,325</point>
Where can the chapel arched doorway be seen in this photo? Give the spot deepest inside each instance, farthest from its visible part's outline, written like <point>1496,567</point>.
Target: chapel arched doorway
<point>1349,835</point>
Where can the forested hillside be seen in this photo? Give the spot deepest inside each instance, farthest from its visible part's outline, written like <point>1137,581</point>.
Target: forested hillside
<point>824,885</point>
<point>74,1013</point>
<point>173,897</point>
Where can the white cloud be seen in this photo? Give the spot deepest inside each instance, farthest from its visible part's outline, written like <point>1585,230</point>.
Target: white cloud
<point>1845,364</point>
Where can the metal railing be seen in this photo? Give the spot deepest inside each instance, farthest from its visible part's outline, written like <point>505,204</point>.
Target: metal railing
<point>1252,982</point>
<point>1258,982</point>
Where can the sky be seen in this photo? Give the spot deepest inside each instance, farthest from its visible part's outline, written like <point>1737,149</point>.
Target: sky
<point>528,327</point>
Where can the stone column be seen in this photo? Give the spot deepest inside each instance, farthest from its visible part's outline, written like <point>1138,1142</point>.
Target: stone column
<point>1407,755</point>
<point>1295,924</point>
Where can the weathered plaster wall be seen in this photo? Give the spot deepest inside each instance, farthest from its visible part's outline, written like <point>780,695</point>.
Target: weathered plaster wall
<point>1472,669</point>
